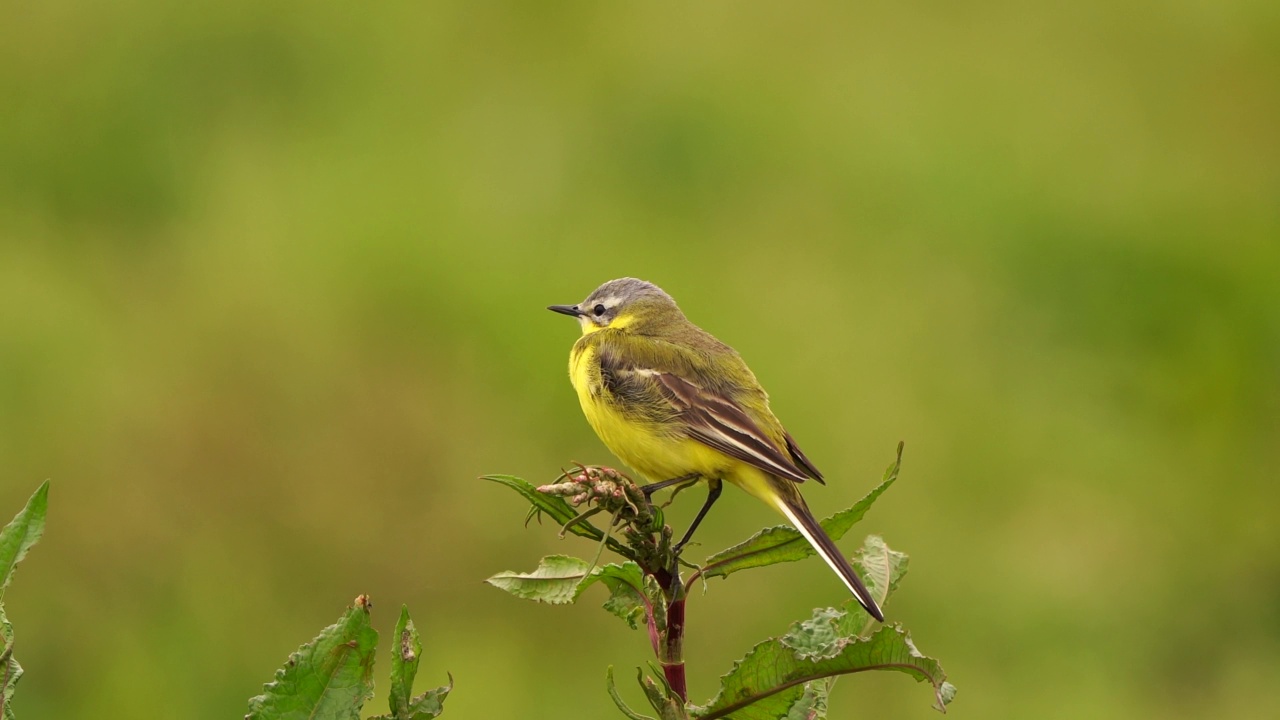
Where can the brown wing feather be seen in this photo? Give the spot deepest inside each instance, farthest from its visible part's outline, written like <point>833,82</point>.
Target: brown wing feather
<point>717,422</point>
<point>802,460</point>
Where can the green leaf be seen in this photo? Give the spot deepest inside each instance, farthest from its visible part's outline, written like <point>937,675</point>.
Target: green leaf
<point>329,678</point>
<point>821,636</point>
<point>405,657</point>
<point>15,540</point>
<point>881,569</point>
<point>557,509</point>
<point>769,682</point>
<point>617,699</point>
<point>633,596</point>
<point>626,604</point>
<point>21,533</point>
<point>628,597</point>
<point>10,670</point>
<point>555,581</point>
<point>812,703</point>
<point>430,703</point>
<point>785,544</point>
<point>560,580</point>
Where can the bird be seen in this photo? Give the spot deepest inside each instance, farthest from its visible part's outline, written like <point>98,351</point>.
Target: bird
<point>679,406</point>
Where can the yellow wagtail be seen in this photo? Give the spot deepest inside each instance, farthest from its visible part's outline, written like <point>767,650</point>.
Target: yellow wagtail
<point>678,406</point>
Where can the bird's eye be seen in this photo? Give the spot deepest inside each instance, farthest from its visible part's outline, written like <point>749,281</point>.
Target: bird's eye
<point>598,310</point>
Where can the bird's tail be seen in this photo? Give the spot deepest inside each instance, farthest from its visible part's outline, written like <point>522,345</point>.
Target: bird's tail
<point>798,513</point>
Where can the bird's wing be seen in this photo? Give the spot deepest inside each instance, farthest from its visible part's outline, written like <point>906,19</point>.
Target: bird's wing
<point>803,460</point>
<point>719,423</point>
<point>710,417</point>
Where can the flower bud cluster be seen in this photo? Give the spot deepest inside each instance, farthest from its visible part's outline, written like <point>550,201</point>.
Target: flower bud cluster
<point>610,491</point>
<point>606,488</point>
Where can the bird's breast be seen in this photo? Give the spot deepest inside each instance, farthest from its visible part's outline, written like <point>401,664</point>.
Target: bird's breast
<point>655,450</point>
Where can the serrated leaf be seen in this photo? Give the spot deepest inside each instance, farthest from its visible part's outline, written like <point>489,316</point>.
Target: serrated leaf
<point>783,543</point>
<point>555,581</point>
<point>560,579</point>
<point>766,684</point>
<point>826,633</point>
<point>557,509</point>
<point>16,539</point>
<point>329,678</point>
<point>819,637</point>
<point>10,670</point>
<point>21,533</point>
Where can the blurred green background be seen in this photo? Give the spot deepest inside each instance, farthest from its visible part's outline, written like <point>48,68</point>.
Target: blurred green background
<point>272,279</point>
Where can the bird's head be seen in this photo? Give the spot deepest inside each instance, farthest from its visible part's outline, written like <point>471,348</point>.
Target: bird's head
<point>626,303</point>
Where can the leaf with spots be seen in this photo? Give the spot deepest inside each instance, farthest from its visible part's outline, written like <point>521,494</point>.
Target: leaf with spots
<point>405,656</point>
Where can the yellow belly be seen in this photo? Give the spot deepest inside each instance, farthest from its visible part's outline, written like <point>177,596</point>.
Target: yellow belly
<point>654,451</point>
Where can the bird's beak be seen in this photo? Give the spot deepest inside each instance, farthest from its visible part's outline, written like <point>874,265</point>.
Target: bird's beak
<point>571,310</point>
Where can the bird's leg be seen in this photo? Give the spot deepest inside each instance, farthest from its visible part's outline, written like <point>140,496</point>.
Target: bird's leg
<point>713,493</point>
<point>652,488</point>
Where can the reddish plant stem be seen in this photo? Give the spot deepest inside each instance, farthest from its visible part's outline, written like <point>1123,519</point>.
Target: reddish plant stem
<point>669,643</point>
<point>672,657</point>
